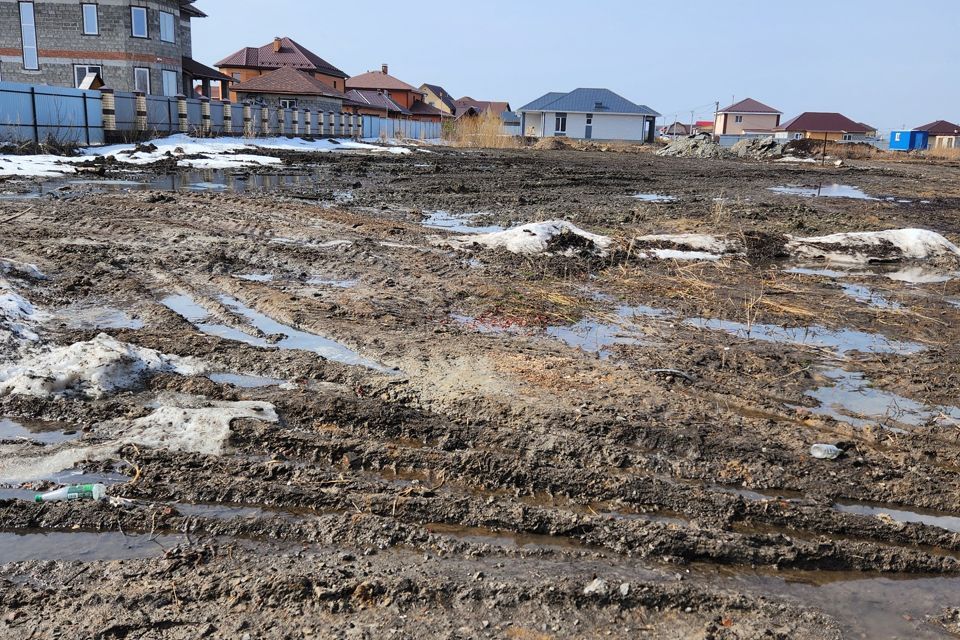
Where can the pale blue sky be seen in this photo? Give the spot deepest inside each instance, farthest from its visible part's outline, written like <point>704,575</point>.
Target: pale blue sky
<point>878,61</point>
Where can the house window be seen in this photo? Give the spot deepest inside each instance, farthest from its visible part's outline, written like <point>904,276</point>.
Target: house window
<point>138,22</point>
<point>236,75</point>
<point>798,136</point>
<point>91,21</point>
<point>560,128</point>
<point>288,103</point>
<point>847,136</point>
<point>141,79</point>
<point>168,31</point>
<point>589,119</point>
<point>169,82</point>
<point>80,72</point>
<point>738,119</point>
<point>28,32</point>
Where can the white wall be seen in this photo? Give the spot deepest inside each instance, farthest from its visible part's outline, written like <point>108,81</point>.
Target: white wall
<point>606,126</point>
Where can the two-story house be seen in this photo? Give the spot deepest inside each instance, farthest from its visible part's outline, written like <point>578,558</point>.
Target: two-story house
<point>402,94</point>
<point>143,46</point>
<point>745,117</point>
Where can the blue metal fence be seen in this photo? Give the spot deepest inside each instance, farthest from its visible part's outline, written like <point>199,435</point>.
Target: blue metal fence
<point>38,113</point>
<point>377,127</point>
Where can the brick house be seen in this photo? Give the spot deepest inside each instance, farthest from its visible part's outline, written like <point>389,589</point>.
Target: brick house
<point>941,134</point>
<point>436,96</point>
<point>251,62</point>
<point>404,95</point>
<point>819,125</point>
<point>744,117</point>
<point>144,46</point>
<point>289,88</point>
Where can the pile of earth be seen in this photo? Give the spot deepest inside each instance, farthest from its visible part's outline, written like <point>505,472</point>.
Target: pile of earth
<point>696,146</point>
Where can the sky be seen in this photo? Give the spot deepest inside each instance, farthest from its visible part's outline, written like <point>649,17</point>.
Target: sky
<point>889,64</point>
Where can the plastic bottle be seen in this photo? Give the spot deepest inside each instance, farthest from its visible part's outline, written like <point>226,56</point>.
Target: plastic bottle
<point>825,451</point>
<point>75,492</point>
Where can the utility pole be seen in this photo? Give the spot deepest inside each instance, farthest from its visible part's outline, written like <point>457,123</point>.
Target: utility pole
<point>692,120</point>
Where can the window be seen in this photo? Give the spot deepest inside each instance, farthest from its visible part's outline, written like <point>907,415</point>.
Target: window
<point>738,119</point>
<point>138,22</point>
<point>236,75</point>
<point>141,79</point>
<point>28,32</point>
<point>168,30</point>
<point>80,72</point>
<point>798,136</point>
<point>560,128</point>
<point>288,103</point>
<point>847,136</point>
<point>169,82</point>
<point>91,21</point>
<point>589,119</point>
<point>896,137</point>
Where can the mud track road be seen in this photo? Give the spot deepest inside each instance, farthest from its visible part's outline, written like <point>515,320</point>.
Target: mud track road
<point>496,446</point>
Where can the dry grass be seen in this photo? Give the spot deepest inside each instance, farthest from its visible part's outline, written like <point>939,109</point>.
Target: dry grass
<point>483,131</point>
<point>943,153</point>
<point>853,151</point>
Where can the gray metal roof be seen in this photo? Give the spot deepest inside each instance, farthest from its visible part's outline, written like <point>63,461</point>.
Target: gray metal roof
<point>588,101</point>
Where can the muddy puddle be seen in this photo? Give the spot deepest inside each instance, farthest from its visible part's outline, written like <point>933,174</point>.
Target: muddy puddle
<point>290,338</point>
<point>37,431</point>
<point>653,197</point>
<point>86,317</point>
<point>824,191</point>
<point>457,223</point>
<point>901,514</point>
<point>243,381</point>
<point>21,546</point>
<point>506,539</point>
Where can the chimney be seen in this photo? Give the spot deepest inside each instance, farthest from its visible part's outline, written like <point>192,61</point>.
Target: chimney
<point>384,68</point>
<point>276,45</point>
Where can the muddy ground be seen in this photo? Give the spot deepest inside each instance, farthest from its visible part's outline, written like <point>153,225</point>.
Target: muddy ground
<point>561,446</point>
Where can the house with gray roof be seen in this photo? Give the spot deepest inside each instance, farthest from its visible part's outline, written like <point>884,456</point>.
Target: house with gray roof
<point>588,114</point>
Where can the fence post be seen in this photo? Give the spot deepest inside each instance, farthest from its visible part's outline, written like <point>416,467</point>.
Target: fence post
<point>324,116</point>
<point>265,120</point>
<point>184,124</point>
<point>227,117</point>
<point>295,117</point>
<point>247,119</point>
<point>205,127</point>
<point>308,122</point>
<point>140,122</point>
<point>109,108</point>
<point>86,116</point>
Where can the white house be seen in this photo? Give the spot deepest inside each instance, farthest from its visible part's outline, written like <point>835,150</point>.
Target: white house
<point>588,114</point>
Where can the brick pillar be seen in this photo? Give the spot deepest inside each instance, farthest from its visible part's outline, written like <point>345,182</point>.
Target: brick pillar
<point>328,124</point>
<point>265,120</point>
<point>205,120</point>
<point>247,119</point>
<point>349,127</point>
<point>338,130</point>
<point>140,121</point>
<point>227,117</point>
<point>296,122</point>
<point>308,122</point>
<point>354,129</point>
<point>182,113</point>
<point>108,102</point>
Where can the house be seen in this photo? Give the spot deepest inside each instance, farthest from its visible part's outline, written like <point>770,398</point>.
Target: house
<point>597,114</point>
<point>401,93</point>
<point>941,134</point>
<point>468,106</point>
<point>908,140</point>
<point>289,88</point>
<point>250,62</point>
<point>746,115</point>
<point>142,46</point>
<point>436,96</point>
<point>825,126</point>
<point>703,126</point>
<point>369,102</point>
<point>676,129</point>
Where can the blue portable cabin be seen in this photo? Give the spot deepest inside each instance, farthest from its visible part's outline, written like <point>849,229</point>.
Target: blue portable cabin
<point>908,140</point>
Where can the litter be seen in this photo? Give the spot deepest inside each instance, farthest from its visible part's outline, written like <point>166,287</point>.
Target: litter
<point>95,492</point>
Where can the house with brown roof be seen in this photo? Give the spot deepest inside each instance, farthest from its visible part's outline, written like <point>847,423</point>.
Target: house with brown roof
<point>401,93</point>
<point>820,125</point>
<point>251,62</point>
<point>748,115</point>
<point>436,96</point>
<point>466,106</point>
<point>941,134</point>
<point>289,88</point>
<point>369,102</point>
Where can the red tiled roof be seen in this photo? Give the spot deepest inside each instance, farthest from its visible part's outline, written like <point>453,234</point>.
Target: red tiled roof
<point>291,54</point>
<point>482,105</point>
<point>288,81</point>
<point>749,105</point>
<point>826,122</point>
<point>375,100</point>
<point>421,108</point>
<point>378,80</point>
<point>940,128</point>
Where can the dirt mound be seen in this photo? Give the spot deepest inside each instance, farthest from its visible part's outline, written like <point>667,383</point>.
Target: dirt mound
<point>698,146</point>
<point>552,144</point>
<point>758,148</point>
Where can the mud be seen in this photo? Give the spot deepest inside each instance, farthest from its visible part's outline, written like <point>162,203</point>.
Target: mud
<point>474,443</point>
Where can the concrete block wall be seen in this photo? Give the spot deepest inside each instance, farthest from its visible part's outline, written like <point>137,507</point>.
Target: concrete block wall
<point>62,44</point>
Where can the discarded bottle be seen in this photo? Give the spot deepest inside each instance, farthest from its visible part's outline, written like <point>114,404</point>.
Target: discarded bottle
<point>825,451</point>
<point>75,492</point>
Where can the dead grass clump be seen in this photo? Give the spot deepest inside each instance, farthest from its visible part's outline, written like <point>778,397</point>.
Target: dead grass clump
<point>853,150</point>
<point>482,131</point>
<point>943,153</point>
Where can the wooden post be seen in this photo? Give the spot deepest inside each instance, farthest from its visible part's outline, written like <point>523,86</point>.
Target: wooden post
<point>227,116</point>
<point>141,106</point>
<point>109,108</point>
<point>182,113</point>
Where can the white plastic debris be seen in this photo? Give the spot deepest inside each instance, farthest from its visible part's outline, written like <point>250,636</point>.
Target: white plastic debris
<point>825,451</point>
<point>597,587</point>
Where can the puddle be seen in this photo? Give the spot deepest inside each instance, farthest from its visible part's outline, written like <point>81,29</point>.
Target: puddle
<point>480,535</point>
<point>79,317</point>
<point>256,277</point>
<point>653,197</point>
<point>901,514</point>
<point>868,297</point>
<point>458,223</point>
<point>185,306</point>
<point>596,336</point>
<point>851,399</point>
<point>245,381</point>
<point>235,511</point>
<point>827,273</point>
<point>759,495</point>
<point>824,191</point>
<point>916,274</point>
<point>839,340</point>
<point>340,284</point>
<point>82,547</point>
<point>864,606</point>
<point>37,431</point>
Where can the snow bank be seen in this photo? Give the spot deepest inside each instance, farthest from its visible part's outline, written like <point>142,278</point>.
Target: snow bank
<point>17,315</point>
<point>695,241</point>
<point>556,236</point>
<point>874,246</point>
<point>675,254</point>
<point>44,166</point>
<point>92,368</point>
<point>203,430</point>
<point>21,269</point>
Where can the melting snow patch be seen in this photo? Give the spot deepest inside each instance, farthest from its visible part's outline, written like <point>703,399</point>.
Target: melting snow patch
<point>92,368</point>
<point>551,236</point>
<point>874,246</point>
